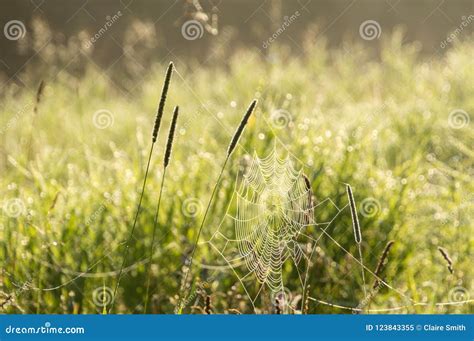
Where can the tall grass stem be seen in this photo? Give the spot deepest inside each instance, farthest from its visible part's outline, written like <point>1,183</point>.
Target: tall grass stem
<point>127,243</point>
<point>166,160</point>
<point>230,149</point>
<point>190,261</point>
<point>150,257</point>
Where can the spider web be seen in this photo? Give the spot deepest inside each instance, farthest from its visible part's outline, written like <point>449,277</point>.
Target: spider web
<point>271,230</point>
<point>272,192</point>
<point>265,228</point>
<point>224,241</point>
<point>273,205</point>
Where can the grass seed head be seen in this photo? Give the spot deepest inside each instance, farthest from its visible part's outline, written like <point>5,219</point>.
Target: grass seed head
<point>208,308</point>
<point>306,301</point>
<point>169,144</point>
<point>161,106</point>
<point>309,209</point>
<point>381,262</point>
<point>355,219</point>
<point>446,257</point>
<point>307,184</point>
<point>277,306</point>
<point>240,129</point>
<point>39,94</point>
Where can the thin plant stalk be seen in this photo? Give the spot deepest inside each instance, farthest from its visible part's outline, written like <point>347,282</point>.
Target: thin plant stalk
<point>202,225</point>
<point>155,223</point>
<point>169,146</point>
<point>127,243</point>
<point>155,132</point>
<point>230,149</point>
<point>310,222</point>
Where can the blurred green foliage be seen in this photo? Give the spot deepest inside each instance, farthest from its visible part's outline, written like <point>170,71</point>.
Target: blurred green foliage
<point>69,188</point>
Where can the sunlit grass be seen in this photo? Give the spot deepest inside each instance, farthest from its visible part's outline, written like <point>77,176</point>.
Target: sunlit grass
<point>382,126</point>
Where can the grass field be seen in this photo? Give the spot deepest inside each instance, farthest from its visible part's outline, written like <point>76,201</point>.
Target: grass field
<point>397,129</point>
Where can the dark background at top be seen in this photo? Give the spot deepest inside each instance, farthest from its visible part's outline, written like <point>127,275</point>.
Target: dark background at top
<point>253,21</point>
